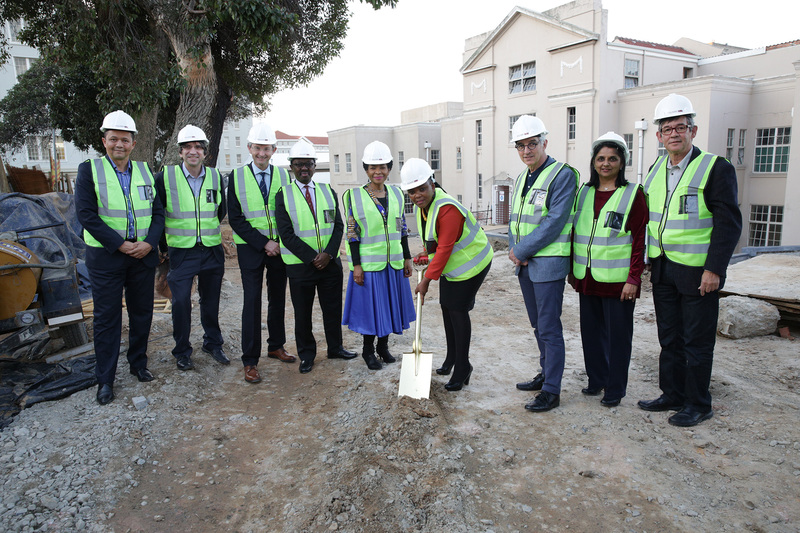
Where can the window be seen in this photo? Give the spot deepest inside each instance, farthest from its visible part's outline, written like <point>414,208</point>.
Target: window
<point>766,222</point>
<point>22,64</point>
<point>480,186</point>
<point>237,142</point>
<point>522,78</point>
<point>729,144</point>
<point>401,159</point>
<point>511,120</point>
<point>434,159</point>
<point>772,150</point>
<point>688,72</point>
<point>238,159</point>
<point>460,199</point>
<point>479,133</point>
<point>571,123</point>
<point>409,207</point>
<point>661,150</point>
<point>225,143</point>
<point>740,154</point>
<point>236,124</point>
<point>458,158</point>
<point>336,163</point>
<point>227,160</point>
<point>629,143</point>
<point>631,73</point>
<point>14,27</point>
<point>348,164</point>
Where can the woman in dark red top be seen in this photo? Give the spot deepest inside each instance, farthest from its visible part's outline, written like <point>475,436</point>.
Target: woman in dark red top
<point>599,237</point>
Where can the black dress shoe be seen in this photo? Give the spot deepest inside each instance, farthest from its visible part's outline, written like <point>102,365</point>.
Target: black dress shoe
<point>592,391</point>
<point>306,366</point>
<point>371,360</point>
<point>544,401</point>
<point>217,354</point>
<point>341,353</point>
<point>143,375</point>
<point>458,385</point>
<point>662,403</point>
<point>534,384</point>
<point>105,394</point>
<point>689,416</point>
<point>445,369</point>
<point>185,363</point>
<point>608,402</point>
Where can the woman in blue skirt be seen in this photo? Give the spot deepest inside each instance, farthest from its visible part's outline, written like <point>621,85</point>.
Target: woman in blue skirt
<point>378,300</point>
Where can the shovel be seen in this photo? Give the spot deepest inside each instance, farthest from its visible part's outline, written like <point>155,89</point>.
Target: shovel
<point>415,372</point>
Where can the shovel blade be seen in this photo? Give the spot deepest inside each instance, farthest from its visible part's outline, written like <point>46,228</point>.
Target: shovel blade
<point>415,375</point>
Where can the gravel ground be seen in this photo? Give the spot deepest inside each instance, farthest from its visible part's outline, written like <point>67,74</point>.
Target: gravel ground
<point>337,450</point>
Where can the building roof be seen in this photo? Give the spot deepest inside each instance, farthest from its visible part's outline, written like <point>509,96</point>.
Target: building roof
<point>653,46</point>
<point>796,42</point>
<point>286,137</point>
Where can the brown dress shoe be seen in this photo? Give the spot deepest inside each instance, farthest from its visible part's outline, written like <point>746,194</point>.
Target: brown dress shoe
<point>281,354</point>
<point>251,374</point>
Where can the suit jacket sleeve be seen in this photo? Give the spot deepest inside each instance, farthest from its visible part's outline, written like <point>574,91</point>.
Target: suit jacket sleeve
<point>161,193</point>
<point>86,207</point>
<point>338,230</point>
<point>223,205</point>
<point>721,200</point>
<point>239,223</point>
<point>157,221</point>
<point>289,239</point>
<point>559,206</point>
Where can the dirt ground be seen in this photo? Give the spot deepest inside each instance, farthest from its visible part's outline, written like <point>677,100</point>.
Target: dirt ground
<point>336,449</point>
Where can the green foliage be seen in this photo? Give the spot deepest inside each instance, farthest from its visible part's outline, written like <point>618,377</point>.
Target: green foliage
<point>145,55</point>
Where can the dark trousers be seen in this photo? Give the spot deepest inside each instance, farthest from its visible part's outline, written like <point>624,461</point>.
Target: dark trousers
<point>606,334</point>
<point>252,284</point>
<point>327,284</point>
<point>136,280</point>
<point>458,332</point>
<point>687,332</point>
<point>202,262</point>
<point>543,301</point>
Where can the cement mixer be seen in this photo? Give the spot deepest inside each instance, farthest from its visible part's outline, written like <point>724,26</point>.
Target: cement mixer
<point>35,296</point>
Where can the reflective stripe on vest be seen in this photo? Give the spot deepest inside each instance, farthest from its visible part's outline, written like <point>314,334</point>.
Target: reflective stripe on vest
<point>113,204</point>
<point>680,224</point>
<point>528,211</point>
<point>471,253</point>
<point>603,244</point>
<point>379,241</point>
<point>257,213</point>
<point>314,232</point>
<point>189,216</point>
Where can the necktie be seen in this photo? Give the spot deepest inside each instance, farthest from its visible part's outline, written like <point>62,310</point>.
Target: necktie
<point>310,202</point>
<point>262,184</point>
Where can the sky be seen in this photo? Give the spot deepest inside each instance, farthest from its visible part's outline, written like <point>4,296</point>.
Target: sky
<point>410,56</point>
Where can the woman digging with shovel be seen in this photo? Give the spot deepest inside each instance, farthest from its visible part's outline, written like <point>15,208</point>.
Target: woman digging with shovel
<point>459,253</point>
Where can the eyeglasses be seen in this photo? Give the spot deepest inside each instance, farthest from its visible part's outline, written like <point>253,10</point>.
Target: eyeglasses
<point>530,146</point>
<point>680,129</point>
<point>304,164</point>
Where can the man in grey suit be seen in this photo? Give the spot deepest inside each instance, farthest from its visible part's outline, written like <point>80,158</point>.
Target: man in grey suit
<point>539,245</point>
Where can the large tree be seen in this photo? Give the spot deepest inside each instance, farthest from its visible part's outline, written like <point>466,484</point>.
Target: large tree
<point>172,62</point>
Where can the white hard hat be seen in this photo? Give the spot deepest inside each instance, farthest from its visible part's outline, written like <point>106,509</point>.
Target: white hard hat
<point>302,150</point>
<point>673,105</point>
<point>377,153</point>
<point>191,133</point>
<point>118,120</point>
<point>527,126</point>
<point>611,137</point>
<point>261,134</point>
<point>414,173</point>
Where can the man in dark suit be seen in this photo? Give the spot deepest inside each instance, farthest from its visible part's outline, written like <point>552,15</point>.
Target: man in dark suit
<point>310,228</point>
<point>251,212</point>
<point>194,204</point>
<point>122,219</point>
<point>694,227</point>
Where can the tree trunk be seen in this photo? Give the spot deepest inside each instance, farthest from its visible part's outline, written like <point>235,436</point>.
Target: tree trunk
<point>199,104</point>
<point>146,138</point>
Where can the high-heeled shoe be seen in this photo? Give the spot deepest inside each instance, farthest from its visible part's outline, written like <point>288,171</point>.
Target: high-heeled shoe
<point>445,369</point>
<point>458,385</point>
